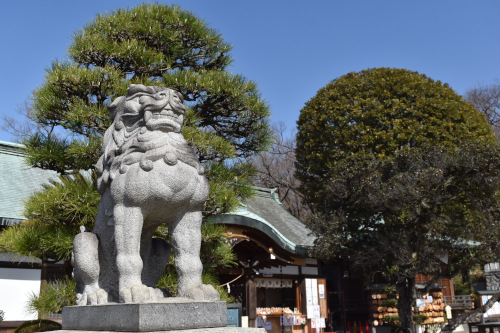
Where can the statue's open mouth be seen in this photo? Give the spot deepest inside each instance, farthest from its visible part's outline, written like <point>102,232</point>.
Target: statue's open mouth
<point>165,119</point>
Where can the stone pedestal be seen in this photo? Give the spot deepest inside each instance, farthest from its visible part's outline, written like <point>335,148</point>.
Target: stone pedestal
<point>199,330</point>
<point>170,314</point>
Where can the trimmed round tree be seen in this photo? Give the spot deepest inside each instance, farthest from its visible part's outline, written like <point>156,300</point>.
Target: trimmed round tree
<point>379,112</point>
<point>402,173</point>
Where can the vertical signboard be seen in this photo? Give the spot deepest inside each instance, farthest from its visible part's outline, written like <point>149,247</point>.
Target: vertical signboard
<point>314,300</point>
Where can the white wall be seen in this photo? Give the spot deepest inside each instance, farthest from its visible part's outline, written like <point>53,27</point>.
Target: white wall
<point>16,285</point>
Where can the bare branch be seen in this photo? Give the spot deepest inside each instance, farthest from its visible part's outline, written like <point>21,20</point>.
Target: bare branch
<point>276,169</point>
<point>486,99</point>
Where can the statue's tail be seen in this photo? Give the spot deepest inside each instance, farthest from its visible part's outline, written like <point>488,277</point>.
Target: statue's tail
<point>85,262</point>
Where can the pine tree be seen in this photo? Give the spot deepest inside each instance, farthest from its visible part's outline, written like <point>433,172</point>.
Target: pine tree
<point>152,44</point>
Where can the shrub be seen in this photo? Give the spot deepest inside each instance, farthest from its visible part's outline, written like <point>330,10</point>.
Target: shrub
<point>42,325</point>
<point>53,297</point>
<point>389,290</point>
<point>390,302</point>
<point>419,319</point>
<point>391,320</point>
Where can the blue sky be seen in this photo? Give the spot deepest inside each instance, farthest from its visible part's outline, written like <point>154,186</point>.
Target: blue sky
<point>290,48</point>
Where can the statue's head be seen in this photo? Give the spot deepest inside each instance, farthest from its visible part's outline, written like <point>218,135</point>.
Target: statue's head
<point>157,108</point>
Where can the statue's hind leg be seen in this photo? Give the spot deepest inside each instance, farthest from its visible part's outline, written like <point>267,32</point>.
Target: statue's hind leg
<point>186,241</point>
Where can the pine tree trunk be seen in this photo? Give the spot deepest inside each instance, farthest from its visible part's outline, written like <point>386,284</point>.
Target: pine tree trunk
<point>43,278</point>
<point>43,274</point>
<point>406,291</point>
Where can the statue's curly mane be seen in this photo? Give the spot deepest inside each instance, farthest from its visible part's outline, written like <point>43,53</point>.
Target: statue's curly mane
<point>137,134</point>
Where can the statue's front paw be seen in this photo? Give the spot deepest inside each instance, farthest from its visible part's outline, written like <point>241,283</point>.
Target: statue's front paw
<point>204,292</point>
<point>140,293</point>
<point>92,295</point>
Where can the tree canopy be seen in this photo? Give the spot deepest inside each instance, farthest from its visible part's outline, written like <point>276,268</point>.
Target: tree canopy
<point>403,176</point>
<point>379,112</point>
<point>152,45</point>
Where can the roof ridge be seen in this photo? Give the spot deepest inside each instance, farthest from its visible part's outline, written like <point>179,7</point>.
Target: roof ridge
<point>12,148</point>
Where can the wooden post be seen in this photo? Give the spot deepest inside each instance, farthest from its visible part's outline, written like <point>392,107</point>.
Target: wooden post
<point>251,291</point>
<point>322,300</point>
<point>298,301</point>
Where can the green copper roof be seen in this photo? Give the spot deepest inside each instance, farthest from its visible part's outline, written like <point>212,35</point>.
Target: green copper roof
<point>264,212</point>
<point>18,181</point>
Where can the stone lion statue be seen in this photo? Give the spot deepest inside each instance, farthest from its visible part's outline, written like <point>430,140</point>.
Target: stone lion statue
<point>148,174</point>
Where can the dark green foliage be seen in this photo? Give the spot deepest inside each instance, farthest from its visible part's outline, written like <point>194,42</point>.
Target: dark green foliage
<point>47,242</point>
<point>412,208</point>
<point>41,325</point>
<point>389,290</point>
<point>427,210</point>
<point>70,201</point>
<point>53,297</point>
<point>226,105</point>
<point>55,215</point>
<point>419,319</point>
<point>403,175</point>
<point>390,302</point>
<point>222,198</point>
<point>378,112</point>
<point>461,286</point>
<point>391,320</point>
<point>215,253</point>
<point>211,279</point>
<point>149,39</point>
<point>168,281</point>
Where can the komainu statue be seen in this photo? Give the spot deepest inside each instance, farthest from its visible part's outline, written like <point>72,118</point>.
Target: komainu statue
<point>148,174</point>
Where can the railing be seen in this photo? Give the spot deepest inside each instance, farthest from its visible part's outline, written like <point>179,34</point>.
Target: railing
<point>459,301</point>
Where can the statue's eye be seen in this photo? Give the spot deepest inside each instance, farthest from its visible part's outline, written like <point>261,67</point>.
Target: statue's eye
<point>133,107</point>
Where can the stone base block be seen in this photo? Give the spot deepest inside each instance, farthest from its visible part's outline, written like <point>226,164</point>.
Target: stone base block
<point>168,315</point>
<point>199,330</point>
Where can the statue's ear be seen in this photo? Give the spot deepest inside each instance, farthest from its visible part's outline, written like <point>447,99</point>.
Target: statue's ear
<point>114,107</point>
<point>180,96</point>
